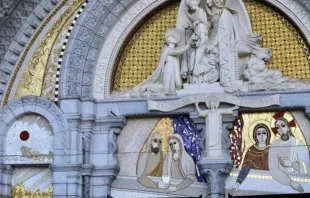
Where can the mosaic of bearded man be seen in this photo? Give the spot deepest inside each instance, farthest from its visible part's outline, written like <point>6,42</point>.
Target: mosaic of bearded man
<point>151,162</point>
<point>179,164</point>
<point>287,154</point>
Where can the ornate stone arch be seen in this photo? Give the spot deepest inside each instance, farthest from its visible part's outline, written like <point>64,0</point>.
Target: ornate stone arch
<point>21,38</point>
<point>88,67</point>
<point>37,105</point>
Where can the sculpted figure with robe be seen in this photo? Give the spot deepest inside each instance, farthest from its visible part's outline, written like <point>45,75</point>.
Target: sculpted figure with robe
<point>166,79</point>
<point>287,154</point>
<point>151,162</point>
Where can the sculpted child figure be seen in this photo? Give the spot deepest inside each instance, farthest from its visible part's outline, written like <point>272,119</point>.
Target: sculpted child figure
<point>258,73</point>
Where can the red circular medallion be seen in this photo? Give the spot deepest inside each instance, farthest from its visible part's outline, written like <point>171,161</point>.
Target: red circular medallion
<point>24,135</point>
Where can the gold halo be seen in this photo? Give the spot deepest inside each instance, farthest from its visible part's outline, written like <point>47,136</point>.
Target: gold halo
<point>254,124</point>
<point>288,116</point>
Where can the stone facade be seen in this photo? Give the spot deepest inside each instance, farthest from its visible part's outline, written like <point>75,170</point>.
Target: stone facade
<point>87,120</point>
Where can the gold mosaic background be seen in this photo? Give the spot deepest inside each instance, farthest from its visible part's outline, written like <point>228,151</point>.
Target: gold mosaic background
<point>141,54</point>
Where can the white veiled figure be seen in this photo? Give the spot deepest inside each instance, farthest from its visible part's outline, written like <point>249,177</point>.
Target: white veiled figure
<point>234,37</point>
<point>193,24</point>
<point>166,79</point>
<point>179,164</point>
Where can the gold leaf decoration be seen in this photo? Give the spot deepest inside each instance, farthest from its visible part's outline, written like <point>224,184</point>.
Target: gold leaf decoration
<point>32,80</point>
<point>164,128</point>
<point>20,191</point>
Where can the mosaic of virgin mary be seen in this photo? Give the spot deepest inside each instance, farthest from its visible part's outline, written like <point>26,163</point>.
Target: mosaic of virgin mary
<point>257,155</point>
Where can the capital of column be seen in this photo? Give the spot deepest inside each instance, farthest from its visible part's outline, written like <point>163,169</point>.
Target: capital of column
<point>216,172</point>
<point>104,124</point>
<point>6,169</point>
<point>102,177</point>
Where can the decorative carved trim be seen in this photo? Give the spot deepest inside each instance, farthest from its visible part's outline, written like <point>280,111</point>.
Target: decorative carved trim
<point>62,53</point>
<point>297,12</point>
<point>24,38</point>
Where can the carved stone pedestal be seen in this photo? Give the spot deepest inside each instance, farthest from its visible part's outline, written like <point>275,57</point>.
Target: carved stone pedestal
<point>201,88</point>
<point>216,172</point>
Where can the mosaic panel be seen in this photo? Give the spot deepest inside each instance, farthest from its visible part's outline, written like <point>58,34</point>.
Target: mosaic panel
<point>272,143</point>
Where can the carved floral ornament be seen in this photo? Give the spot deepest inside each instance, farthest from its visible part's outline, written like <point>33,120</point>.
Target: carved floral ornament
<point>242,73</point>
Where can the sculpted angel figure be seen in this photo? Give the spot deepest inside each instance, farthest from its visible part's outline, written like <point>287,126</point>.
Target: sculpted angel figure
<point>287,154</point>
<point>166,79</point>
<point>178,165</point>
<point>151,162</point>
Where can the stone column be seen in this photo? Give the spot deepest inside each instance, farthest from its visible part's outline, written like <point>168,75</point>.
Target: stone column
<point>103,155</point>
<point>86,130</point>
<point>86,173</point>
<point>5,180</point>
<point>217,170</point>
<point>75,143</point>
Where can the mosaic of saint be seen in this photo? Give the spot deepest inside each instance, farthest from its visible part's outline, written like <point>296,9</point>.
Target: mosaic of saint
<point>169,161</point>
<point>269,142</point>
